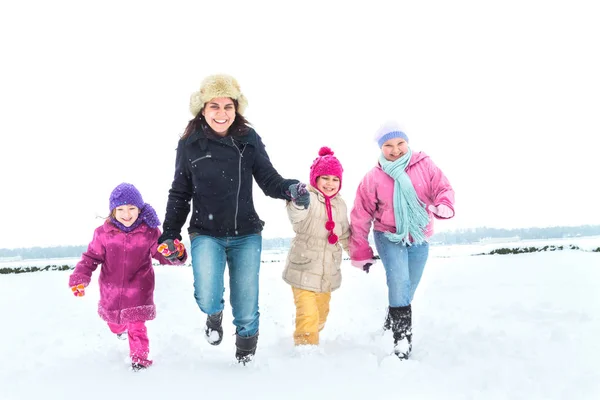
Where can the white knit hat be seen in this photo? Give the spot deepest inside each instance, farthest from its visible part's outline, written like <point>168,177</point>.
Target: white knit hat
<point>389,130</point>
<point>214,86</point>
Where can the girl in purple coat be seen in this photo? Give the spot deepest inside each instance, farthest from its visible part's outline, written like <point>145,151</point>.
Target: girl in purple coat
<point>400,197</point>
<point>125,245</point>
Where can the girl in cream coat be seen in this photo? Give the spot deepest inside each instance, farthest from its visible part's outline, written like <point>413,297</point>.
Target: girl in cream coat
<point>322,229</point>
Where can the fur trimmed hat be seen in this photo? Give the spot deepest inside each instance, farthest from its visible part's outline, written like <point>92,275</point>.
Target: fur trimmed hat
<point>220,85</point>
<point>389,130</point>
<point>325,164</point>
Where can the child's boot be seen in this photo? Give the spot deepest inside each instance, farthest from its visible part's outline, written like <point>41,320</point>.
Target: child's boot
<point>135,367</point>
<point>387,324</point>
<point>401,324</point>
<point>213,331</point>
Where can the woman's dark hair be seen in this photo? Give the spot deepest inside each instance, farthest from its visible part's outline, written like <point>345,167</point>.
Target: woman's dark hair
<point>239,127</point>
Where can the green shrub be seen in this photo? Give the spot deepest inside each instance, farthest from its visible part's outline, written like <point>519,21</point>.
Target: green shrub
<point>522,250</point>
<point>21,270</point>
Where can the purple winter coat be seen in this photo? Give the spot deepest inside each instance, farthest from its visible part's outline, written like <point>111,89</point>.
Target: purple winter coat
<point>126,276</point>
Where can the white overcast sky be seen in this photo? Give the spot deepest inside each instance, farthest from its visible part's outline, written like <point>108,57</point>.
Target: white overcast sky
<point>503,95</point>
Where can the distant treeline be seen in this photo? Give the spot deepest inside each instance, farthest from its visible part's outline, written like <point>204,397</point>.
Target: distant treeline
<point>475,235</point>
<point>455,237</point>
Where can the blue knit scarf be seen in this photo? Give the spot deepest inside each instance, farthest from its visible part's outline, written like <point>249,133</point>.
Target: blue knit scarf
<point>409,212</point>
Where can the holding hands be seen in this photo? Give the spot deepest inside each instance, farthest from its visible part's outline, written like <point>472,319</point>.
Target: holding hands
<point>364,265</point>
<point>171,249</point>
<point>299,194</point>
<point>441,211</point>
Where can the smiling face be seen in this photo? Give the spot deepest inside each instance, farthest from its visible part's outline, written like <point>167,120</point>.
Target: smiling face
<point>126,214</point>
<point>219,114</point>
<point>329,185</point>
<point>394,148</point>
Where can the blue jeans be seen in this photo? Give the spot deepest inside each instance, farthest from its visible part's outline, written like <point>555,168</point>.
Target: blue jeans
<point>242,255</point>
<point>404,267</point>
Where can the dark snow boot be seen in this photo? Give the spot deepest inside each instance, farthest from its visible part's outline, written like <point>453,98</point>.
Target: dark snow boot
<point>135,367</point>
<point>400,321</point>
<point>213,331</point>
<point>245,348</point>
<point>387,324</point>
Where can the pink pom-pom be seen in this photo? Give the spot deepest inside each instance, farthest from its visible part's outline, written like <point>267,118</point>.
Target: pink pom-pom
<point>332,238</point>
<point>325,151</point>
<point>329,225</point>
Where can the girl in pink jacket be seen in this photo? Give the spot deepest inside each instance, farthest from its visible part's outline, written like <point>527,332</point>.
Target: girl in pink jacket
<point>125,245</point>
<point>399,197</point>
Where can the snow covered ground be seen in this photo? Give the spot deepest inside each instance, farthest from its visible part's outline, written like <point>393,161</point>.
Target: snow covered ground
<point>485,327</point>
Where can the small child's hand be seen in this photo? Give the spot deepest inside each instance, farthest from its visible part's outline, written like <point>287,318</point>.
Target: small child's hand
<point>78,290</point>
<point>172,249</point>
<point>300,195</point>
<point>441,211</point>
<point>364,265</point>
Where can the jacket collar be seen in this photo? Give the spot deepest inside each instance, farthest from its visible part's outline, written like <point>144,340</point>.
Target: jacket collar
<point>110,227</point>
<point>416,157</point>
<point>203,135</point>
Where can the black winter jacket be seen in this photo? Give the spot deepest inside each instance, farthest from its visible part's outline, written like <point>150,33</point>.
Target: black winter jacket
<point>215,173</point>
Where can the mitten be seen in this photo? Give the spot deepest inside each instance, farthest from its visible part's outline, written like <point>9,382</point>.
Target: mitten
<point>171,249</point>
<point>78,290</point>
<point>364,265</point>
<point>441,211</point>
<point>300,195</point>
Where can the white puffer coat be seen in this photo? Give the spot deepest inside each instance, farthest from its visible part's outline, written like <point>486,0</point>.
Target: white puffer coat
<point>312,263</point>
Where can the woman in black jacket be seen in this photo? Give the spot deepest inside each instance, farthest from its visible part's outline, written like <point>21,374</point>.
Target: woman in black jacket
<point>218,157</point>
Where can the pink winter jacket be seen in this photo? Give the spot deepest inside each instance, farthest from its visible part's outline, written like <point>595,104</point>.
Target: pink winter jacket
<point>126,276</point>
<point>374,201</point>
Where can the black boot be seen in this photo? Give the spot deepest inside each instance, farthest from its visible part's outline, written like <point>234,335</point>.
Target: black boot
<point>245,348</point>
<point>214,324</point>
<point>387,324</point>
<point>135,367</point>
<point>400,320</point>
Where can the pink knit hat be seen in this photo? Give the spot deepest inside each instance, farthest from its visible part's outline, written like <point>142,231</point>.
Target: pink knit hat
<point>325,164</point>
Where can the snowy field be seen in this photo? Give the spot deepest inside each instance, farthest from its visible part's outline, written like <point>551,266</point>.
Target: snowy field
<point>485,327</point>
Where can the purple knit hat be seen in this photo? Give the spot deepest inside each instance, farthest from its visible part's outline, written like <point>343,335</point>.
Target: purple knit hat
<point>125,194</point>
<point>389,130</point>
<point>325,164</point>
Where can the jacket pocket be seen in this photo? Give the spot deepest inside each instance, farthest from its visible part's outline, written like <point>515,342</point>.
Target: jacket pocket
<point>299,259</point>
<point>301,255</point>
<point>207,155</point>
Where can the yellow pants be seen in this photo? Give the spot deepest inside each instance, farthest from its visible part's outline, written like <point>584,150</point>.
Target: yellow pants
<point>312,310</point>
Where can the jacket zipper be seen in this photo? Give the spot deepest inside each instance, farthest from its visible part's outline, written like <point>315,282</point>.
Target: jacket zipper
<point>208,155</point>
<point>122,288</point>
<point>237,199</point>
